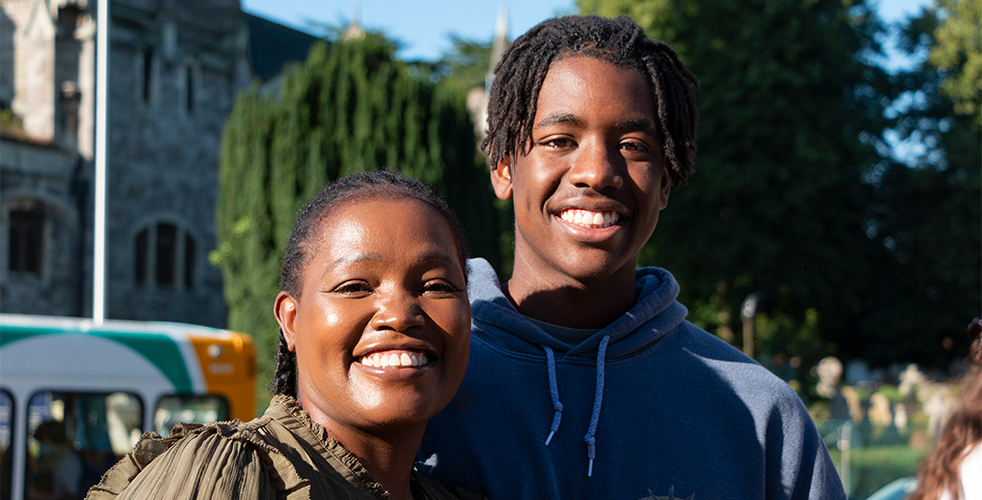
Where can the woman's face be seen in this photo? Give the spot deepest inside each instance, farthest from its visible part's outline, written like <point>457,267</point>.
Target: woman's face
<point>382,325</point>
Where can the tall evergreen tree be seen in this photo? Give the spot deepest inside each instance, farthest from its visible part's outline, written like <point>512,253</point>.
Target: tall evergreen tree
<point>352,106</point>
<point>791,109</point>
<point>927,213</point>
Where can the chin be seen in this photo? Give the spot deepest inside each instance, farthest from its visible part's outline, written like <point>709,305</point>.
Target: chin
<point>405,414</point>
<point>602,270</point>
<point>398,422</point>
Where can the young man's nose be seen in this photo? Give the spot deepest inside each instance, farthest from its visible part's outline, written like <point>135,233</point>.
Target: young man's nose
<point>597,166</point>
<point>399,312</point>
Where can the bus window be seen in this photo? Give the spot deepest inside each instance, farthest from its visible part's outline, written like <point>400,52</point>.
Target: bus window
<point>200,409</point>
<point>6,448</point>
<point>73,438</point>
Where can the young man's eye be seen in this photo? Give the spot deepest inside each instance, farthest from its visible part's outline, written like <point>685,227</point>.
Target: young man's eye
<point>557,143</point>
<point>635,146</point>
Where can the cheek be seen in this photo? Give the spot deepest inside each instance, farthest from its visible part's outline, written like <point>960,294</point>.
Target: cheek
<point>538,177</point>
<point>645,178</point>
<point>453,318</point>
<point>329,326</point>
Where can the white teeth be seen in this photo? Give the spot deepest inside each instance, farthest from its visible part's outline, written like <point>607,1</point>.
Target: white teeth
<point>394,360</point>
<point>588,218</point>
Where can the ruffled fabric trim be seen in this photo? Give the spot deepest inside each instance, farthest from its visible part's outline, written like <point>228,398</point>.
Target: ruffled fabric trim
<point>329,448</point>
<point>200,450</point>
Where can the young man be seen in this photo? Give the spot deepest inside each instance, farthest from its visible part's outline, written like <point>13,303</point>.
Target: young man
<point>585,380</point>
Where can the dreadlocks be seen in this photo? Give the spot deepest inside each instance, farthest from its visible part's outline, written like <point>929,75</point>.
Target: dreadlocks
<point>353,187</point>
<point>519,76</point>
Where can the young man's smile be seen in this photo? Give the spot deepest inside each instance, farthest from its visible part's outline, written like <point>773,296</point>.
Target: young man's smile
<point>589,218</point>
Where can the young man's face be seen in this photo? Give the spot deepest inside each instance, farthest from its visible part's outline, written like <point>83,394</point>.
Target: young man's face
<point>588,193</point>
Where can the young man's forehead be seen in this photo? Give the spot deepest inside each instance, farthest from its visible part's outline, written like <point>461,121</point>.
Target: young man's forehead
<point>640,122</point>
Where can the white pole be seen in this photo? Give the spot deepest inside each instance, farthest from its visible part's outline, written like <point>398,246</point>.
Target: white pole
<point>101,163</point>
<point>845,444</point>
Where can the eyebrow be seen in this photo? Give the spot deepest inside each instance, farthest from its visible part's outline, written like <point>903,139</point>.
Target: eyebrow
<point>570,119</point>
<point>560,118</point>
<point>643,124</point>
<point>352,257</point>
<point>437,257</point>
<point>423,258</point>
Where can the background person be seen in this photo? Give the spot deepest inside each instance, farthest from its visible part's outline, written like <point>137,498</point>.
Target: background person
<point>585,380</point>
<point>59,468</point>
<point>374,326</point>
<point>953,469</point>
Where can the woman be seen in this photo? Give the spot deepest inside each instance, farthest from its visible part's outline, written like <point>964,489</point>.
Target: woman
<point>953,470</point>
<point>374,332</point>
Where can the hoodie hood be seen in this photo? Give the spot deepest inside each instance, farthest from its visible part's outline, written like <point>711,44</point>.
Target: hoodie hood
<point>655,313</point>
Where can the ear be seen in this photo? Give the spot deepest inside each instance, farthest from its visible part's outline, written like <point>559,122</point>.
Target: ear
<point>501,179</point>
<point>285,310</point>
<point>665,186</point>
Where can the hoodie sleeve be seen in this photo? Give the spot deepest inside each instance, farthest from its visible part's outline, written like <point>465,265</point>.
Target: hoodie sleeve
<point>796,452</point>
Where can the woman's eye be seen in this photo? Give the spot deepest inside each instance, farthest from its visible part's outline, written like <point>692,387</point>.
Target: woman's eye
<point>353,288</point>
<point>439,286</point>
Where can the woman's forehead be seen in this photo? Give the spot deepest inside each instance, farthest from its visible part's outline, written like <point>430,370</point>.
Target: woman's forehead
<point>381,228</point>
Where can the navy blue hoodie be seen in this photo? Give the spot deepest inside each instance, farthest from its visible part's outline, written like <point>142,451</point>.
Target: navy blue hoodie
<point>651,405</point>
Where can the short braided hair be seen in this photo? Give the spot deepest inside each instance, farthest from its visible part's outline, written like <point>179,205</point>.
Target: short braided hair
<point>353,187</point>
<point>519,76</point>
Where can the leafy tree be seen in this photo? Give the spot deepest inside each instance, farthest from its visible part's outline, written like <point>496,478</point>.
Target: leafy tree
<point>350,107</point>
<point>467,62</point>
<point>791,109</point>
<point>957,54</point>
<point>927,215</point>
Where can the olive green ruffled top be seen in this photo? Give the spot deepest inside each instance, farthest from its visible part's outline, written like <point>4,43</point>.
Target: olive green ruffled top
<point>281,455</point>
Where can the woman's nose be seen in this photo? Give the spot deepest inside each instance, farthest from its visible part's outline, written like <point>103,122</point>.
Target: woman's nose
<point>397,311</point>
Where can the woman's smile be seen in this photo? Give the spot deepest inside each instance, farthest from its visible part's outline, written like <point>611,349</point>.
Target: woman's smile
<point>395,359</point>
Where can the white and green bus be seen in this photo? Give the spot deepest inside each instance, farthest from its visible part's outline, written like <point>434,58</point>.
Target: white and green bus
<point>75,397</point>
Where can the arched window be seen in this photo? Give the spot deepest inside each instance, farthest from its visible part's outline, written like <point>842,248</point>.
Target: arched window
<point>26,239</point>
<point>166,256</point>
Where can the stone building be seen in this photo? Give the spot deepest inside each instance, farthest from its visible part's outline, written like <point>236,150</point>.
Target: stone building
<point>175,67</point>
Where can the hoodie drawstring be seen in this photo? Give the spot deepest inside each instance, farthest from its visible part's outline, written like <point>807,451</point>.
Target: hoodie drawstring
<point>589,439</point>
<point>557,407</point>
<point>591,442</point>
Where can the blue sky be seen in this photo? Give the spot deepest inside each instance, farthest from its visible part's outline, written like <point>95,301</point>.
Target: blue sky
<point>423,27</point>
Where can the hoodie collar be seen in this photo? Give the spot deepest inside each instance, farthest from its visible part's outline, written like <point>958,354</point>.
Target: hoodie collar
<point>654,314</point>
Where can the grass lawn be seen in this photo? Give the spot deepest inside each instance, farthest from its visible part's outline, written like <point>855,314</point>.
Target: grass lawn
<point>873,465</point>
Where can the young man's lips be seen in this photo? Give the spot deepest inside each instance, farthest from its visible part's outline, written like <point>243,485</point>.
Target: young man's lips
<point>591,219</point>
